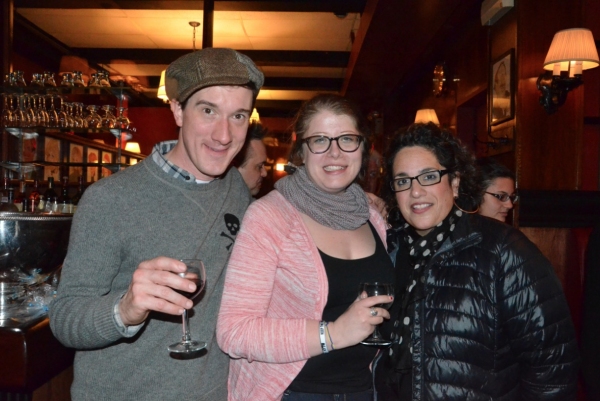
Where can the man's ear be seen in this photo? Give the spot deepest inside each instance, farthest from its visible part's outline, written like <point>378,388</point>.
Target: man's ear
<point>177,112</point>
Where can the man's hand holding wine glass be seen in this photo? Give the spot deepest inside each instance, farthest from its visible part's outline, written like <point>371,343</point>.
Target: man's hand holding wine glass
<point>153,288</point>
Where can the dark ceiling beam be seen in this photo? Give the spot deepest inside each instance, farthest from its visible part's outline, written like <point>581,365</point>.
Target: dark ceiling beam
<point>285,83</point>
<point>313,84</point>
<point>31,42</point>
<point>393,27</point>
<point>277,108</point>
<point>335,6</point>
<point>261,57</point>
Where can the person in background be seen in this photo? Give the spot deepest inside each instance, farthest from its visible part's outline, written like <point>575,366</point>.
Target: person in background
<point>117,301</point>
<point>250,161</point>
<point>479,312</point>
<point>290,317</point>
<point>499,195</point>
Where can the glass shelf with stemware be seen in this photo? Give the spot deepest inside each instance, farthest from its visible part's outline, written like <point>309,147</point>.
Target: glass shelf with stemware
<point>32,111</point>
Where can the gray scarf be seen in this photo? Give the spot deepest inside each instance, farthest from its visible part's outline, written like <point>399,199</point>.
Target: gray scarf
<point>348,210</point>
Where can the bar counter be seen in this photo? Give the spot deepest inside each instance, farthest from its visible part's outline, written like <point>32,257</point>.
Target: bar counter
<point>30,357</point>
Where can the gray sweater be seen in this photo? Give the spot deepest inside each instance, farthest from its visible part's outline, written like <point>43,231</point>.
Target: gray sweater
<point>136,215</point>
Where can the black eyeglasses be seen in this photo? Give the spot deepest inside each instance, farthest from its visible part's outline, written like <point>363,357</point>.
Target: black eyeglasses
<point>504,197</point>
<point>321,144</point>
<point>432,177</point>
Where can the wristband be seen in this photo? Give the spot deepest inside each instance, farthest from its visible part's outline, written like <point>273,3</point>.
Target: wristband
<point>329,335</point>
<point>322,325</point>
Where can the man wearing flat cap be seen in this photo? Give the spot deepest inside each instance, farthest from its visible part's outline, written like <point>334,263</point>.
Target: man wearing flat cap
<point>117,302</point>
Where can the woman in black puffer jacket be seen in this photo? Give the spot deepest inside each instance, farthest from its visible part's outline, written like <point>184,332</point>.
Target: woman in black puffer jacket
<point>479,313</point>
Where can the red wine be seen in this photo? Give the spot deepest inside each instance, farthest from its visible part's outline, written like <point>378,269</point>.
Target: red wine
<point>387,305</point>
<point>199,286</point>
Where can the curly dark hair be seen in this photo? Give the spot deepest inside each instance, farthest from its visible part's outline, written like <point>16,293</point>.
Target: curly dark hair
<point>450,153</point>
<point>490,169</point>
<point>338,105</point>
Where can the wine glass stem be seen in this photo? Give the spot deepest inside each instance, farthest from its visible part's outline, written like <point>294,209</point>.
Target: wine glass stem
<point>376,334</point>
<point>186,327</point>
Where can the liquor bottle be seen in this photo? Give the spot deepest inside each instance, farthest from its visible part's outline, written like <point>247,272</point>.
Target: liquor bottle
<point>64,200</point>
<point>20,195</point>
<point>4,198</point>
<point>77,197</point>
<point>9,206</point>
<point>34,197</point>
<point>50,197</point>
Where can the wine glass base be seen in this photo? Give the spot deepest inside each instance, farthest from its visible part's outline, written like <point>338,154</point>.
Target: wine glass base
<point>187,347</point>
<point>376,342</point>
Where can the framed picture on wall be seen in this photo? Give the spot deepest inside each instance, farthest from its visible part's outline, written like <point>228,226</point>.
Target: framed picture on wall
<point>75,156</point>
<point>106,158</point>
<point>92,171</point>
<point>502,88</point>
<point>52,155</point>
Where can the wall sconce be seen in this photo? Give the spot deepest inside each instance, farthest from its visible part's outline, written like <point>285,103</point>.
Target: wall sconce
<point>162,93</point>
<point>572,50</point>
<point>427,115</point>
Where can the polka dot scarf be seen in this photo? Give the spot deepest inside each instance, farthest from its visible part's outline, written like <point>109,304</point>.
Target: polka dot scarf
<point>421,249</point>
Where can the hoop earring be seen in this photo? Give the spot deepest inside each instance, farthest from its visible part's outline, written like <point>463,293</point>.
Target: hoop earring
<point>462,210</point>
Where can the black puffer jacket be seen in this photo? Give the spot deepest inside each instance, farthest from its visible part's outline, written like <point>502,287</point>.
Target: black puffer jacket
<point>494,324</point>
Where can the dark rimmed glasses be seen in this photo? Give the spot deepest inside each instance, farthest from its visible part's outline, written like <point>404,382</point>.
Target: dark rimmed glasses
<point>503,197</point>
<point>320,143</point>
<point>432,177</point>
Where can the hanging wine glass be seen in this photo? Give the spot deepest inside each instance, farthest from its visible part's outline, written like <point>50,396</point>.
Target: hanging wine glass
<point>29,111</point>
<point>70,120</point>
<point>37,80</point>
<point>78,79</point>
<point>79,121</point>
<point>19,117</point>
<point>53,120</point>
<point>109,119</point>
<point>93,118</point>
<point>103,77</point>
<point>20,78</point>
<point>94,81</point>
<point>67,80</point>
<point>49,79</point>
<point>40,112</point>
<point>122,122</point>
<point>63,118</point>
<point>79,114</point>
<point>6,111</point>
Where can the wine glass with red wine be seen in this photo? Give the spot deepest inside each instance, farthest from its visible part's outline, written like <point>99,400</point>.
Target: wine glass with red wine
<point>374,289</point>
<point>195,272</point>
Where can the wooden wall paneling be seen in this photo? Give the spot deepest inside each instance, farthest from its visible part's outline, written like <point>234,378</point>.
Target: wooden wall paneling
<point>153,124</point>
<point>590,174</point>
<point>565,252</point>
<point>549,147</point>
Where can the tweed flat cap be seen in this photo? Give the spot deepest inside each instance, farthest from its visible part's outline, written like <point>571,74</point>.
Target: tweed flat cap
<point>210,67</point>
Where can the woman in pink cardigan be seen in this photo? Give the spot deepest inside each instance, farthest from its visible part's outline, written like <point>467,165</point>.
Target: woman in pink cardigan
<point>290,318</point>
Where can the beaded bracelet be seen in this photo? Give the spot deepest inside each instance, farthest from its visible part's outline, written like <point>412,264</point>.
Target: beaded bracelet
<point>322,326</point>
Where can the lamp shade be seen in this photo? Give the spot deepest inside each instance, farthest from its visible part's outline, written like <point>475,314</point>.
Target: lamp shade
<point>133,147</point>
<point>161,93</point>
<point>254,117</point>
<point>572,45</point>
<point>426,115</point>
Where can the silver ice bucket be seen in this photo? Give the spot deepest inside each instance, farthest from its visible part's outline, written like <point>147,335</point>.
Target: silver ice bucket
<point>32,246</point>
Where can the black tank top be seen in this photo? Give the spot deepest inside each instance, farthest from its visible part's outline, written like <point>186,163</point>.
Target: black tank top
<point>345,370</point>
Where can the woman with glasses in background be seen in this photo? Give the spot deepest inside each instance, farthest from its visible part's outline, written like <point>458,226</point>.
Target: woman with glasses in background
<point>291,317</point>
<point>499,195</point>
<point>479,312</point>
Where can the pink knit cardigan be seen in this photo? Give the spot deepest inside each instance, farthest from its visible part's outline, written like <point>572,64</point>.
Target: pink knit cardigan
<point>275,282</point>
